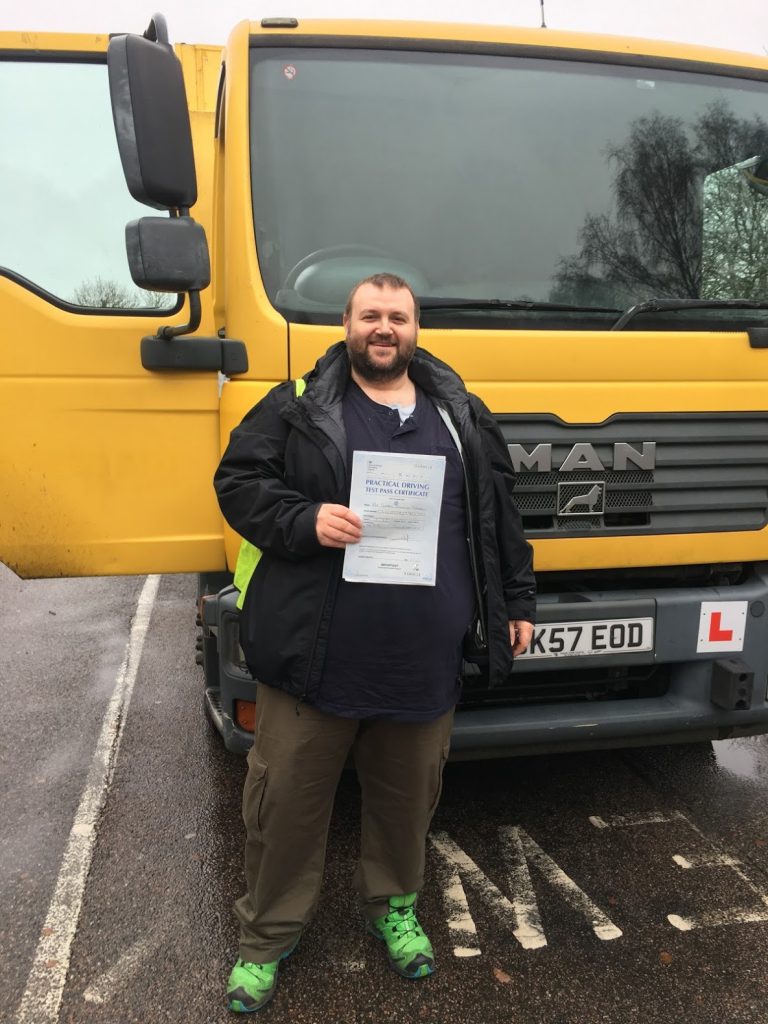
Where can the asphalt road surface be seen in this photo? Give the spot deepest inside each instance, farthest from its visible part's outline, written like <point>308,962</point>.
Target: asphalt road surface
<point>601,887</point>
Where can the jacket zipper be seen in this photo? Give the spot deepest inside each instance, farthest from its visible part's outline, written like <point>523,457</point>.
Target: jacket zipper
<point>311,663</point>
<point>311,432</point>
<point>482,630</point>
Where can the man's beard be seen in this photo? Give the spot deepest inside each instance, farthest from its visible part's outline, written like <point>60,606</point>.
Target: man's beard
<point>376,373</point>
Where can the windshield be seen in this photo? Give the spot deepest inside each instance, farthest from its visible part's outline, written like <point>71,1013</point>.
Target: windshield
<point>504,178</point>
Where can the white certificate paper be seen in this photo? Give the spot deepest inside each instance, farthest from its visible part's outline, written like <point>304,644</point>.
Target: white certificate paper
<point>398,497</point>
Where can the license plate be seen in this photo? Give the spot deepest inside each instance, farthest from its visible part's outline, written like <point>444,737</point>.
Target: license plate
<point>579,639</point>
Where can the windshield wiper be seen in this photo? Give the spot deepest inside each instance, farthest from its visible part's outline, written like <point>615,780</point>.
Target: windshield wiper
<point>662,305</point>
<point>435,303</point>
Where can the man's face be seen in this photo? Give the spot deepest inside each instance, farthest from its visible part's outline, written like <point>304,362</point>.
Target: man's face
<point>381,332</point>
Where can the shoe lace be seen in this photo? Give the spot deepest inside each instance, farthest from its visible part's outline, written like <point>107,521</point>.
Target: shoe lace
<point>403,921</point>
<point>261,972</point>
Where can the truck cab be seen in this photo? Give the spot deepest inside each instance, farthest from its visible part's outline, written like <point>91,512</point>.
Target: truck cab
<point>585,221</point>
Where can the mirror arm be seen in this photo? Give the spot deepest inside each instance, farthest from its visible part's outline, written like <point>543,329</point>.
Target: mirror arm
<point>195,315</point>
<point>157,30</point>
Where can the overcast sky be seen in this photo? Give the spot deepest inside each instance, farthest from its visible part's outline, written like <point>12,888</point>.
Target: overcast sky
<point>729,24</point>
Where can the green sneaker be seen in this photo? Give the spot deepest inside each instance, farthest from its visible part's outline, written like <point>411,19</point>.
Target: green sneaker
<point>251,986</point>
<point>408,949</point>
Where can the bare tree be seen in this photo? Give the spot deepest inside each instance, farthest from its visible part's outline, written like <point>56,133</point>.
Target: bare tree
<point>679,229</point>
<point>106,293</point>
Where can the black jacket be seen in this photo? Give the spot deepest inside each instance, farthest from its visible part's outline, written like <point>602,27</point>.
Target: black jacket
<point>288,456</point>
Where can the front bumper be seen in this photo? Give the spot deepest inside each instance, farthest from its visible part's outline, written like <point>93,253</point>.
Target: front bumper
<point>706,695</point>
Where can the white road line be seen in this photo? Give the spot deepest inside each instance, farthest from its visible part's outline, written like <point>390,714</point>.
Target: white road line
<point>529,931</point>
<point>715,856</point>
<point>716,918</point>
<point>45,985</point>
<point>712,857</point>
<point>563,884</point>
<point>460,920</point>
<point>705,860</point>
<point>631,820</point>
<point>125,968</point>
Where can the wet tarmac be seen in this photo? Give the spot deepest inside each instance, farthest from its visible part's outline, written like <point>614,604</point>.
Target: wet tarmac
<point>599,887</point>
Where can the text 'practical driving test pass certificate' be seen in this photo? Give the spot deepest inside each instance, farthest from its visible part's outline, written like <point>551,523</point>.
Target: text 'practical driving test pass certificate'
<point>398,497</point>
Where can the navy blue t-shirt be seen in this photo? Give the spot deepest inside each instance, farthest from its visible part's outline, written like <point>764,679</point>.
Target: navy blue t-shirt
<point>395,651</point>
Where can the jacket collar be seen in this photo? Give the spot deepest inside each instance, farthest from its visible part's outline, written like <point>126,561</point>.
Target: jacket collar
<point>328,381</point>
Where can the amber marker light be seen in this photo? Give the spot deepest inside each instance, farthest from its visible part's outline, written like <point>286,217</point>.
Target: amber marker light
<point>245,715</point>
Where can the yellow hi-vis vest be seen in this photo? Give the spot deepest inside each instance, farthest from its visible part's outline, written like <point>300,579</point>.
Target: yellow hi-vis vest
<point>249,555</point>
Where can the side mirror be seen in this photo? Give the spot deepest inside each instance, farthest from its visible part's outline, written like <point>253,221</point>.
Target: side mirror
<point>149,108</point>
<point>168,254</point>
<point>755,172</point>
<point>758,179</point>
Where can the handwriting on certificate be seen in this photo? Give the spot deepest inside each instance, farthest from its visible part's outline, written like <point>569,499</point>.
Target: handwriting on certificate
<point>398,497</point>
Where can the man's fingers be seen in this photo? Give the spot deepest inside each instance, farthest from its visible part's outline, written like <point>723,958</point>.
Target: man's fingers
<point>520,633</point>
<point>345,514</point>
<point>341,533</point>
<point>337,525</point>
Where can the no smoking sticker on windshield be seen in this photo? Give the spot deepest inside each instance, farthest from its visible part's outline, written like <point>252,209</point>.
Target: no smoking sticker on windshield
<point>722,625</point>
<point>290,72</point>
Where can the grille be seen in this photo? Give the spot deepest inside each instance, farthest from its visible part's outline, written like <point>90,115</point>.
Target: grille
<point>555,686</point>
<point>711,473</point>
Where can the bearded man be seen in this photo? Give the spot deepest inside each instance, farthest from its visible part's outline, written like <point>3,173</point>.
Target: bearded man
<point>360,668</point>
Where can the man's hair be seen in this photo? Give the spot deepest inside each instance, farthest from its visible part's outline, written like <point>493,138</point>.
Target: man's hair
<point>384,281</point>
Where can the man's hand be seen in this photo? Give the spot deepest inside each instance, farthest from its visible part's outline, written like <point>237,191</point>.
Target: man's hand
<point>520,633</point>
<point>337,526</point>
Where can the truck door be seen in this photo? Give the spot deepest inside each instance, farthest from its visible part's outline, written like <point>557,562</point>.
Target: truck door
<point>104,468</point>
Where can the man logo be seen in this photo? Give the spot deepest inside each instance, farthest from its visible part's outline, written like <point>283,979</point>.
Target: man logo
<point>583,499</point>
<point>583,456</point>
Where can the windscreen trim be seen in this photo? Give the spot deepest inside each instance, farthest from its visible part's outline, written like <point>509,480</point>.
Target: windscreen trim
<point>470,47</point>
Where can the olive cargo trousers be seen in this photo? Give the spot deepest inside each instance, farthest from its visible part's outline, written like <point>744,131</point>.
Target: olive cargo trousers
<point>293,771</point>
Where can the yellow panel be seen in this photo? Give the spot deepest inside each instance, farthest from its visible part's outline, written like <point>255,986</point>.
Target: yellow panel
<point>104,467</point>
<point>670,549</point>
<point>54,42</point>
<point>572,359</point>
<point>40,337</point>
<point>249,314</point>
<point>201,66</point>
<point>506,35</point>
<point>108,476</point>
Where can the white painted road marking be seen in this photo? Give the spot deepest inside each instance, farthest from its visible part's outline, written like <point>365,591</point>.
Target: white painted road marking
<point>633,820</point>
<point>460,921</point>
<point>45,985</point>
<point>565,886</point>
<point>125,968</point>
<point>711,857</point>
<point>705,860</point>
<point>529,930</point>
<point>522,912</point>
<point>717,918</point>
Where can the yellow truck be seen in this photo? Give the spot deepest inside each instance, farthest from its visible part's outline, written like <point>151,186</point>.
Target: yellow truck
<point>585,220</point>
